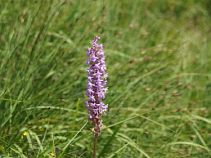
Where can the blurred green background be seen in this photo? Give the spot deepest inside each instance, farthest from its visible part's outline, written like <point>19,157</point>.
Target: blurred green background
<point>158,56</point>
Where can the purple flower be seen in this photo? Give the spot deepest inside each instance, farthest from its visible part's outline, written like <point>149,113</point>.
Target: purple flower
<point>96,86</point>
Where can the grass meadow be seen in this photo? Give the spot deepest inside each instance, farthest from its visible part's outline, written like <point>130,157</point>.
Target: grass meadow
<point>158,56</point>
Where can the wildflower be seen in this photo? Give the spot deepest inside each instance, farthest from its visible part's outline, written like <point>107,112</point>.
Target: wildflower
<point>25,133</point>
<point>96,86</point>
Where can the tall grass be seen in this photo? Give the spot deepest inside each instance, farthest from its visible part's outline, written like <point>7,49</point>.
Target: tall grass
<point>158,60</point>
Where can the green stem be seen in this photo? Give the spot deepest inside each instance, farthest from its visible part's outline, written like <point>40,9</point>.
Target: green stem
<point>94,146</point>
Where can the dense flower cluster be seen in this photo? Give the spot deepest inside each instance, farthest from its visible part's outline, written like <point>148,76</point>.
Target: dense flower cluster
<point>96,86</point>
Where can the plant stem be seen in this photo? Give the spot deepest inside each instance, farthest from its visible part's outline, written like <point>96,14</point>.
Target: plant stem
<point>94,146</point>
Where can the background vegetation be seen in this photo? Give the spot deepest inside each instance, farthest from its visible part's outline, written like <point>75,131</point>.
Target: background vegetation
<point>158,56</point>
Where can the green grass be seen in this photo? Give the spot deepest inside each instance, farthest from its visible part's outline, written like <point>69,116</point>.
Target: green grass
<point>158,56</point>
